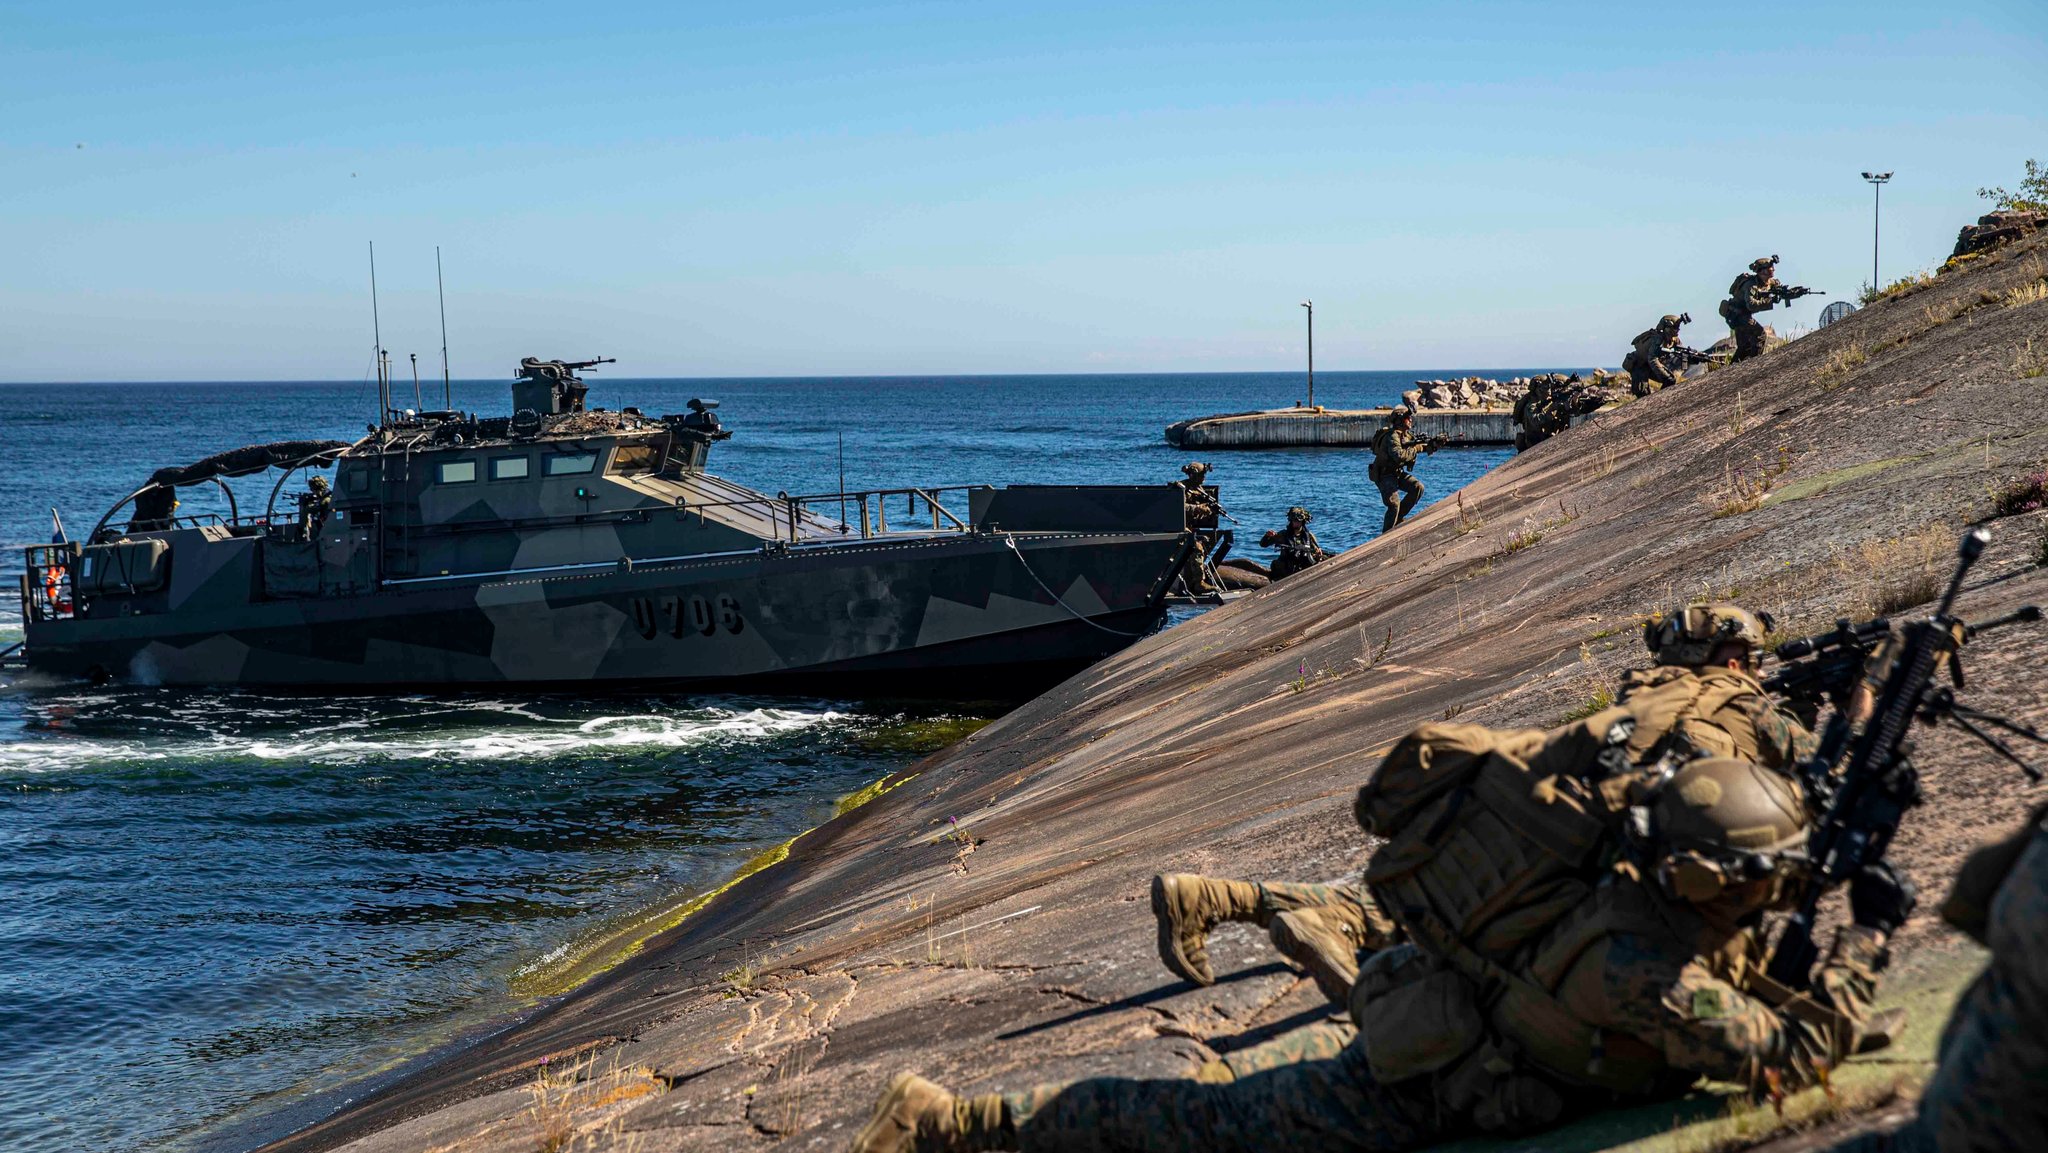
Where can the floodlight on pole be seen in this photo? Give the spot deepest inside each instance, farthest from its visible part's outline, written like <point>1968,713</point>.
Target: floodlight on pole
<point>1877,181</point>
<point>1311,306</point>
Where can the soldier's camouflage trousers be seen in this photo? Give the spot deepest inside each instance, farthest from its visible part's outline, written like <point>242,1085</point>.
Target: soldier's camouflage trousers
<point>1644,377</point>
<point>1990,1090</point>
<point>1320,1041</point>
<point>1398,506</point>
<point>1749,335</point>
<point>1331,1104</point>
<point>1322,928</point>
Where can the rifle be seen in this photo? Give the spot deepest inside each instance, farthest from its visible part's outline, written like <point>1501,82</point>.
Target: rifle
<point>1438,441</point>
<point>1688,356</point>
<point>1781,292</point>
<point>1880,783</point>
<point>1825,668</point>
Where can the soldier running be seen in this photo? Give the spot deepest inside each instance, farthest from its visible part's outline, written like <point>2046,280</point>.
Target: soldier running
<point>1394,450</point>
<point>1630,996</point>
<point>1752,292</point>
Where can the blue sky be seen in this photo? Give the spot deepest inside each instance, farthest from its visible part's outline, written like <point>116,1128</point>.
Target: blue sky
<point>972,188</point>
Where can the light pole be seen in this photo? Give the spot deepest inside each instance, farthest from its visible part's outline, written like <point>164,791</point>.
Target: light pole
<point>1877,180</point>
<point>1311,306</point>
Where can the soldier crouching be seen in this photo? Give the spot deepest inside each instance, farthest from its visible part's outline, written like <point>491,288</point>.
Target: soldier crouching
<point>1633,994</point>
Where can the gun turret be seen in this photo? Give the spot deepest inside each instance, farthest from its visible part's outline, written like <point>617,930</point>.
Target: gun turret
<point>548,387</point>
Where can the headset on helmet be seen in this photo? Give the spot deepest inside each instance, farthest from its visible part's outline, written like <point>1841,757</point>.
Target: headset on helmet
<point>1719,823</point>
<point>1689,636</point>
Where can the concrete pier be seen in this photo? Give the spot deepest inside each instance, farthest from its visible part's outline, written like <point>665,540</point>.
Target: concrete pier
<point>1336,428</point>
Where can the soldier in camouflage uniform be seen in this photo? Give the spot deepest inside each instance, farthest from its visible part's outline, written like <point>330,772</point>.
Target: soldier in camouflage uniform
<point>1752,292</point>
<point>1652,355</point>
<point>1630,996</point>
<point>1394,450</point>
<point>1205,515</point>
<point>1298,547</point>
<point>1987,1092</point>
<point>1702,696</point>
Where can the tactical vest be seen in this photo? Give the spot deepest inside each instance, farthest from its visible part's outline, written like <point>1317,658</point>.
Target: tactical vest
<point>1382,454</point>
<point>1496,842</point>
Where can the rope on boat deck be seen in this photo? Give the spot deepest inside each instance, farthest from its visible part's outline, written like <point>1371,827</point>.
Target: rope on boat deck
<point>1071,610</point>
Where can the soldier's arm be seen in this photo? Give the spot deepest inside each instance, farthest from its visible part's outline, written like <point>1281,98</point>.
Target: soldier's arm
<point>1709,1026</point>
<point>1781,740</point>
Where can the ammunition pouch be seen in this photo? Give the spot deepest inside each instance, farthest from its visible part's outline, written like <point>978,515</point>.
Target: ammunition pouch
<point>1415,1014</point>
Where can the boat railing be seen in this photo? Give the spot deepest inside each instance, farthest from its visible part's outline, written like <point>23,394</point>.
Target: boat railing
<point>46,586</point>
<point>864,512</point>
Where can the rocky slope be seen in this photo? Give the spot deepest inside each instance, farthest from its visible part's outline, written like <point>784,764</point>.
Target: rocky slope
<point>985,921</point>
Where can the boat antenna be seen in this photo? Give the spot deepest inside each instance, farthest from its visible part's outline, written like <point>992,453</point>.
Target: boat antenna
<point>447,393</point>
<point>419,403</point>
<point>377,329</point>
<point>842,480</point>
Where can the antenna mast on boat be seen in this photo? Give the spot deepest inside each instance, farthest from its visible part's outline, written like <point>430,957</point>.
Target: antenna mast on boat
<point>419,402</point>
<point>447,392</point>
<point>377,328</point>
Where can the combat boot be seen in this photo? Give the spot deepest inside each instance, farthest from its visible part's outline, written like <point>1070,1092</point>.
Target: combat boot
<point>1187,906</point>
<point>918,1116</point>
<point>1315,941</point>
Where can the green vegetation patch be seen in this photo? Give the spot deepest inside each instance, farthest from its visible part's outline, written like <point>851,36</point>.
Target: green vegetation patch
<point>1815,485</point>
<point>919,737</point>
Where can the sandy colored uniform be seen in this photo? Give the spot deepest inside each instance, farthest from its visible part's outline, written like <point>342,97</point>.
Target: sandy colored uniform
<point>1645,1013</point>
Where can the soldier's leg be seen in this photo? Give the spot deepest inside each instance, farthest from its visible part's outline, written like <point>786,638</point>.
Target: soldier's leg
<point>1413,489</point>
<point>1638,380</point>
<point>1749,338</point>
<point>1329,1104</point>
<point>1328,938</point>
<point>1318,1042</point>
<point>1187,906</point>
<point>1390,495</point>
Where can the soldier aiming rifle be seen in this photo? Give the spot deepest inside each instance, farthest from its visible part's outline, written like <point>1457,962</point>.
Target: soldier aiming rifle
<point>1756,290</point>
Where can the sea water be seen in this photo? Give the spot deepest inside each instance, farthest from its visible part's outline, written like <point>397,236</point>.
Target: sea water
<point>215,902</point>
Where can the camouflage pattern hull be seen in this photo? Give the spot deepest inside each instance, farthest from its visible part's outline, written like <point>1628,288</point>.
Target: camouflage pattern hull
<point>987,613</point>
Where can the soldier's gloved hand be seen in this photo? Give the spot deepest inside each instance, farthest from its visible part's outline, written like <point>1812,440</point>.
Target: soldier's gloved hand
<point>1882,898</point>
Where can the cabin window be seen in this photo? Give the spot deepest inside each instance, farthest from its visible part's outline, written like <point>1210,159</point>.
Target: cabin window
<point>635,458</point>
<point>458,471</point>
<point>510,468</point>
<point>356,480</point>
<point>570,463</point>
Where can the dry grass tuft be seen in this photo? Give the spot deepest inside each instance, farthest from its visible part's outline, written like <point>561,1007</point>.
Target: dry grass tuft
<point>2032,293</point>
<point>1745,489</point>
<point>1841,363</point>
<point>1880,577</point>
<point>2028,363</point>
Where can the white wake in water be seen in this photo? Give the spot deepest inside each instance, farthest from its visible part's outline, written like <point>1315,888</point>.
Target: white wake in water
<point>360,741</point>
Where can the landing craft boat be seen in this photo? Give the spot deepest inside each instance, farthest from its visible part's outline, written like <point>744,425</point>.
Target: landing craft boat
<point>562,546</point>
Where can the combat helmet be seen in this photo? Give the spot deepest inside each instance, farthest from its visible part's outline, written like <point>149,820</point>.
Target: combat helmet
<point>1672,321</point>
<point>1299,513</point>
<point>1721,823</point>
<point>1689,636</point>
<point>1762,263</point>
<point>1195,468</point>
<point>317,484</point>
